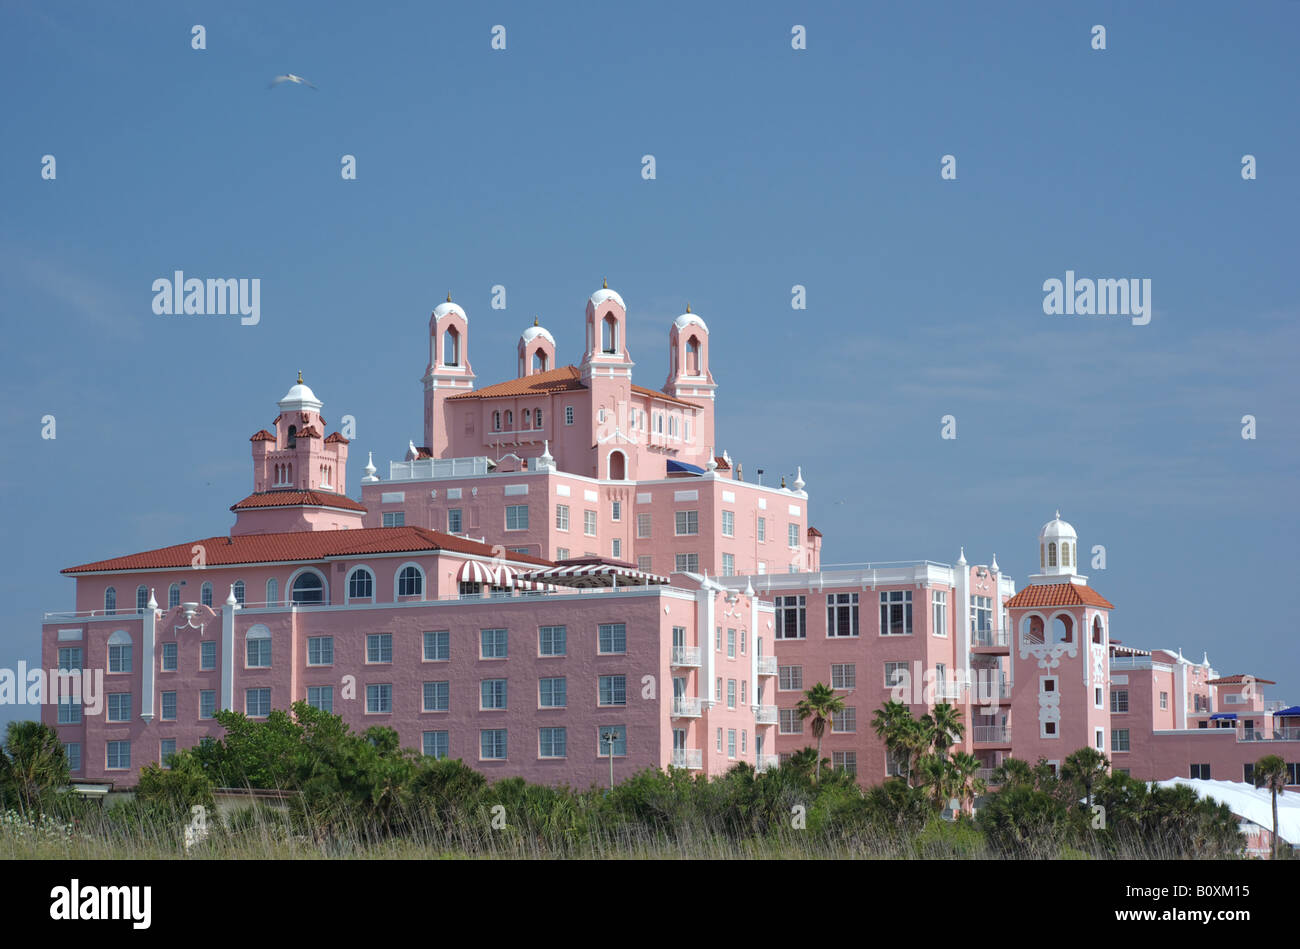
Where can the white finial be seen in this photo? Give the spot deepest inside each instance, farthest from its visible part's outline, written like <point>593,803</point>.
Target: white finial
<point>1058,513</point>
<point>961,560</point>
<point>230,600</point>
<point>410,448</point>
<point>798,478</point>
<point>1180,654</point>
<point>749,588</point>
<point>725,456</point>
<point>712,463</point>
<point>994,566</point>
<point>153,602</point>
<point>370,469</point>
<point>1205,658</point>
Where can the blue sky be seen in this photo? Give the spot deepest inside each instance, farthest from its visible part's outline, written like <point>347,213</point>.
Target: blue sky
<point>775,167</point>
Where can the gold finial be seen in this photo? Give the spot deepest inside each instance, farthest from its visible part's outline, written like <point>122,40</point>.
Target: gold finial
<point>688,308</point>
<point>604,284</point>
<point>783,481</point>
<point>299,377</point>
<point>448,296</point>
<point>535,323</point>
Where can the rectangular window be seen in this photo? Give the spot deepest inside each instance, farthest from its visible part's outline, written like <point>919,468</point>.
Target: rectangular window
<point>492,644</point>
<point>643,525</point>
<point>611,740</point>
<point>437,646</point>
<point>844,675</point>
<point>845,721</point>
<point>320,650</point>
<point>379,699</point>
<point>643,564</point>
<point>731,693</point>
<point>321,697</point>
<point>613,638</point>
<point>437,696</point>
<point>169,657</point>
<point>717,690</point>
<point>119,657</point>
<point>589,523</point>
<point>790,678</point>
<point>616,548</point>
<point>1118,700</point>
<point>561,517</point>
<point>744,741</point>
<point>552,640</point>
<point>728,565</point>
<point>516,517</point>
<point>792,535</point>
<point>73,751</point>
<point>896,613</point>
<point>1119,739</point>
<point>258,653</point>
<point>896,673</point>
<point>455,521</point>
<point>1201,772</point>
<point>436,744</point>
<point>70,657</point>
<point>845,761</point>
<point>790,722</point>
<point>1164,700</point>
<point>762,530</point>
<point>257,703</point>
<point>552,743</point>
<point>394,518</point>
<point>119,707</point>
<point>207,656</point>
<point>717,640</point>
<point>686,563</point>
<point>207,703</point>
<point>568,415</point>
<point>791,617</point>
<point>687,522</point>
<point>379,647</point>
<point>492,694</point>
<point>552,693</point>
<point>561,553</point>
<point>731,743</point>
<point>731,644</point>
<point>168,713</point>
<point>118,755</point>
<point>728,523</point>
<point>69,710</point>
<point>719,739</point>
<point>841,614</point>
<point>743,699</point>
<point>981,618</point>
<point>616,511</point>
<point>492,744</point>
<point>613,690</point>
<point>939,599</point>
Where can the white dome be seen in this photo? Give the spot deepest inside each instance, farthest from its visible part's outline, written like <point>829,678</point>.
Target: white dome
<point>686,319</point>
<point>533,332</point>
<point>300,398</point>
<point>442,309</point>
<point>600,296</point>
<point>1057,529</point>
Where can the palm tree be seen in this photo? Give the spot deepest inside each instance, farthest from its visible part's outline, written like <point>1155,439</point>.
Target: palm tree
<point>1270,772</point>
<point>967,767</point>
<point>819,703</point>
<point>33,762</point>
<point>944,726</point>
<point>893,723</point>
<point>937,772</point>
<point>1085,767</point>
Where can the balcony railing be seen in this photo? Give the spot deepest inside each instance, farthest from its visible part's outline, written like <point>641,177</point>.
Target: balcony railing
<point>986,774</point>
<point>766,762</point>
<point>686,656</point>
<point>765,714</point>
<point>985,687</point>
<point>684,707</point>
<point>692,758</point>
<point>989,637</point>
<point>949,690</point>
<point>1279,734</point>
<point>995,734</point>
<point>427,469</point>
<point>767,665</point>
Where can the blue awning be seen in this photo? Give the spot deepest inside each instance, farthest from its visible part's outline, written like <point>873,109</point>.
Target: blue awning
<point>1229,715</point>
<point>1294,710</point>
<point>683,466</point>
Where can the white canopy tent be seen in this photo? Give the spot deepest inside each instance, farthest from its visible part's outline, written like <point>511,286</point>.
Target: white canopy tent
<point>1250,803</point>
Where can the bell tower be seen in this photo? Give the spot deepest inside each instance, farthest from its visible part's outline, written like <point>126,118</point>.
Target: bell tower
<point>448,372</point>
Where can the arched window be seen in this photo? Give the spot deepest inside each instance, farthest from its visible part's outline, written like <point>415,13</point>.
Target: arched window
<point>1063,629</point>
<point>617,466</point>
<point>239,592</point>
<point>293,436</point>
<point>361,584</point>
<point>537,418</point>
<point>308,588</point>
<point>609,335</point>
<point>539,360</point>
<point>451,347</point>
<point>410,581</point>
<point>693,356</point>
<point>119,651</point>
<point>1098,634</point>
<point>525,417</point>
<point>110,601</point>
<point>141,599</point>
<point>173,596</point>
<point>1031,629</point>
<point>510,421</point>
<point>1051,554</point>
<point>1042,555</point>
<point>273,592</point>
<point>205,594</point>
<point>257,648</point>
<point>496,421</point>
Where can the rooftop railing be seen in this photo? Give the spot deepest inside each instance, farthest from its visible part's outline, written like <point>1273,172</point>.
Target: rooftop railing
<point>428,469</point>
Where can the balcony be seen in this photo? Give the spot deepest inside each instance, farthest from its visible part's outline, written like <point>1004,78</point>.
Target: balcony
<point>992,734</point>
<point>1279,734</point>
<point>989,639</point>
<point>765,714</point>
<point>692,758</point>
<point>686,656</point>
<point>684,707</point>
<point>985,687</point>
<point>766,762</point>
<point>767,665</point>
<point>948,690</point>
<point>986,774</point>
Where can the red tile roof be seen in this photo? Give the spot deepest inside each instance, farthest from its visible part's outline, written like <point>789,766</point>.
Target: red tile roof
<point>562,379</point>
<point>1238,680</point>
<point>291,498</point>
<point>301,546</point>
<point>336,437</point>
<point>1059,594</point>
<point>262,436</point>
<point>309,431</point>
<point>721,463</point>
<point>814,532</point>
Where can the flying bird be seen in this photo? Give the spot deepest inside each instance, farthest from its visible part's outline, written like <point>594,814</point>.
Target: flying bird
<point>289,77</point>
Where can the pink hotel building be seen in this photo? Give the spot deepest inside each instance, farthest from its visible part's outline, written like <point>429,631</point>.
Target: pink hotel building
<point>565,571</point>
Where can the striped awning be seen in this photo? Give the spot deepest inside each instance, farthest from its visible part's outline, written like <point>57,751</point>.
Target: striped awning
<point>595,575</point>
<point>476,571</point>
<point>505,575</point>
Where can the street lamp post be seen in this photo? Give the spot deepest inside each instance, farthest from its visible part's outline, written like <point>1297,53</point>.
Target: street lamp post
<point>608,737</point>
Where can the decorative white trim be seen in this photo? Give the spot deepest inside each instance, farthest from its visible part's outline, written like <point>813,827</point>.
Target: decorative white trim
<point>347,584</point>
<point>71,635</point>
<point>590,496</point>
<point>563,491</point>
<point>515,489</point>
<point>693,495</point>
<point>424,580</point>
<point>392,497</point>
